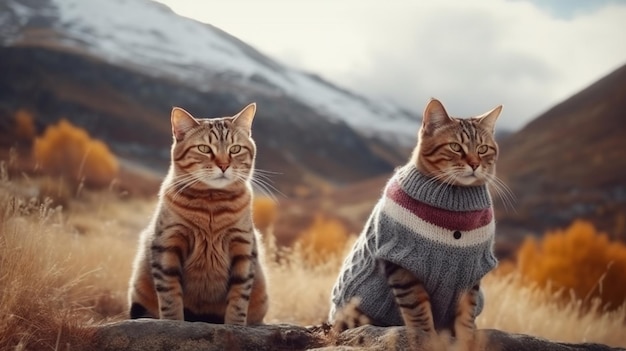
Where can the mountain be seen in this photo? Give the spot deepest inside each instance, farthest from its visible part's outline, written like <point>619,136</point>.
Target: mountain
<point>116,67</point>
<point>150,38</point>
<point>570,162</point>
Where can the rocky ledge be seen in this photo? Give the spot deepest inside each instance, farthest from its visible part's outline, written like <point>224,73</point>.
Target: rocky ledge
<point>156,335</point>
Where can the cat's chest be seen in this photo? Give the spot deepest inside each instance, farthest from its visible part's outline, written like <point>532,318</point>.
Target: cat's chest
<point>212,218</point>
<point>209,254</point>
<point>208,265</point>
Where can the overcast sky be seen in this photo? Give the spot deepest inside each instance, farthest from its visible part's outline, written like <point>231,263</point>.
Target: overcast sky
<point>527,55</point>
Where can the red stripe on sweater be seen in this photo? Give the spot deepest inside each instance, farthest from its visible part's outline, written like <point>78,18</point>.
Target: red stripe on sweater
<point>452,220</point>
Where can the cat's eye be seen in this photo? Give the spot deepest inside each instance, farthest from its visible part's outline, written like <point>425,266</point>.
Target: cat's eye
<point>235,149</point>
<point>483,149</point>
<point>205,149</point>
<point>456,147</point>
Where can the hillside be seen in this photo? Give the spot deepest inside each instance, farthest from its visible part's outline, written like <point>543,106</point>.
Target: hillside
<point>91,63</point>
<point>570,162</point>
<point>148,37</point>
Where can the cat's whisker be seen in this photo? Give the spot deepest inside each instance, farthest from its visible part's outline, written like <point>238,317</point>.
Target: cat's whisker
<point>446,179</point>
<point>441,181</point>
<point>266,188</point>
<point>241,176</point>
<point>259,183</point>
<point>187,180</point>
<point>503,192</point>
<point>176,183</point>
<point>263,171</point>
<point>188,183</point>
<point>262,179</point>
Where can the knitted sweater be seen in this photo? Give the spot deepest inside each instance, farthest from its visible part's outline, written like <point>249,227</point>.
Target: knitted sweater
<point>441,233</point>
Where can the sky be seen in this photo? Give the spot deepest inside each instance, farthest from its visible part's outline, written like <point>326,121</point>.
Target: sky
<point>527,55</point>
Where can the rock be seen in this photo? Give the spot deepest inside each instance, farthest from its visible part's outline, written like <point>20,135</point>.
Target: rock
<point>395,338</point>
<point>166,335</point>
<point>519,342</point>
<point>157,335</point>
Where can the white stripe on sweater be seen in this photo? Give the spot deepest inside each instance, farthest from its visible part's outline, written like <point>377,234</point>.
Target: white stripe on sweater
<point>434,233</point>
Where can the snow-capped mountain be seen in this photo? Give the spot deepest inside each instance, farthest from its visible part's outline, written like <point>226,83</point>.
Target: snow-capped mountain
<point>116,68</point>
<point>149,37</point>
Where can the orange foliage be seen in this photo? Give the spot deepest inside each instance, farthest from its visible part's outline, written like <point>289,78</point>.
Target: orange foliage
<point>505,267</point>
<point>326,237</point>
<point>69,151</point>
<point>264,213</point>
<point>578,261</point>
<point>24,125</point>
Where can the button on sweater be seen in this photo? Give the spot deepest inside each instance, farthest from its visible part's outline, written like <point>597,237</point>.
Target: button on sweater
<point>442,233</point>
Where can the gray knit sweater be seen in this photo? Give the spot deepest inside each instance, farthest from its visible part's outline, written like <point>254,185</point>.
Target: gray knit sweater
<point>443,234</point>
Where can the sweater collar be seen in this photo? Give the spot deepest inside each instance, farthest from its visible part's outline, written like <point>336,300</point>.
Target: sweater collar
<point>441,195</point>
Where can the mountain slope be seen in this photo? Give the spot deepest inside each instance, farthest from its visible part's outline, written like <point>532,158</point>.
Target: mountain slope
<point>130,111</point>
<point>148,37</point>
<point>116,67</point>
<point>570,162</point>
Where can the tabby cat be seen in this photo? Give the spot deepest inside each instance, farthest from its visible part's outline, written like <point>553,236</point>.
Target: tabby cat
<point>198,259</point>
<point>429,240</point>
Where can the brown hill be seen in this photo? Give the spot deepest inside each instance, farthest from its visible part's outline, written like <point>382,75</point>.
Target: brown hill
<point>130,112</point>
<point>570,163</point>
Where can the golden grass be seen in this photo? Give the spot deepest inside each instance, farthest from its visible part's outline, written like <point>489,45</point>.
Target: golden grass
<point>61,272</point>
<point>37,299</point>
<point>511,306</point>
<point>299,292</point>
<point>324,238</point>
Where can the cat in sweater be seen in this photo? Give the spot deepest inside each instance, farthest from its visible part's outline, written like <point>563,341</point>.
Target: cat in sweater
<point>429,240</point>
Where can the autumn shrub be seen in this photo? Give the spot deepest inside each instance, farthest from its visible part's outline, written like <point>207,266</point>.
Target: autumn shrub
<point>264,213</point>
<point>577,262</point>
<point>24,125</point>
<point>69,151</point>
<point>324,238</point>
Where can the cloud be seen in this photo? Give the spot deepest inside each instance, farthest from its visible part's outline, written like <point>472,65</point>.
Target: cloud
<point>471,55</point>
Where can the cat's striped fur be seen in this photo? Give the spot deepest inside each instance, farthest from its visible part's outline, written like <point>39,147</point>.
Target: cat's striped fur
<point>453,151</point>
<point>199,258</point>
<point>414,304</point>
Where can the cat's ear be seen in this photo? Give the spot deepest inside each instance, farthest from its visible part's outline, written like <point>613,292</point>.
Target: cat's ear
<point>182,122</point>
<point>244,118</point>
<point>435,116</point>
<point>488,120</point>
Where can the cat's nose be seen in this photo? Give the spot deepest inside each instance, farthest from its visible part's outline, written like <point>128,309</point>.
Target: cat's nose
<point>474,165</point>
<point>223,166</point>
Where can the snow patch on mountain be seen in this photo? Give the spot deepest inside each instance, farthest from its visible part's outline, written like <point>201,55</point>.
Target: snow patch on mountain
<point>150,37</point>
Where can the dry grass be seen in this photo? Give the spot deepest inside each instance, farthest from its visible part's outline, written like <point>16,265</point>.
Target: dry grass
<point>517,308</point>
<point>325,239</point>
<point>38,296</point>
<point>299,292</point>
<point>61,272</point>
